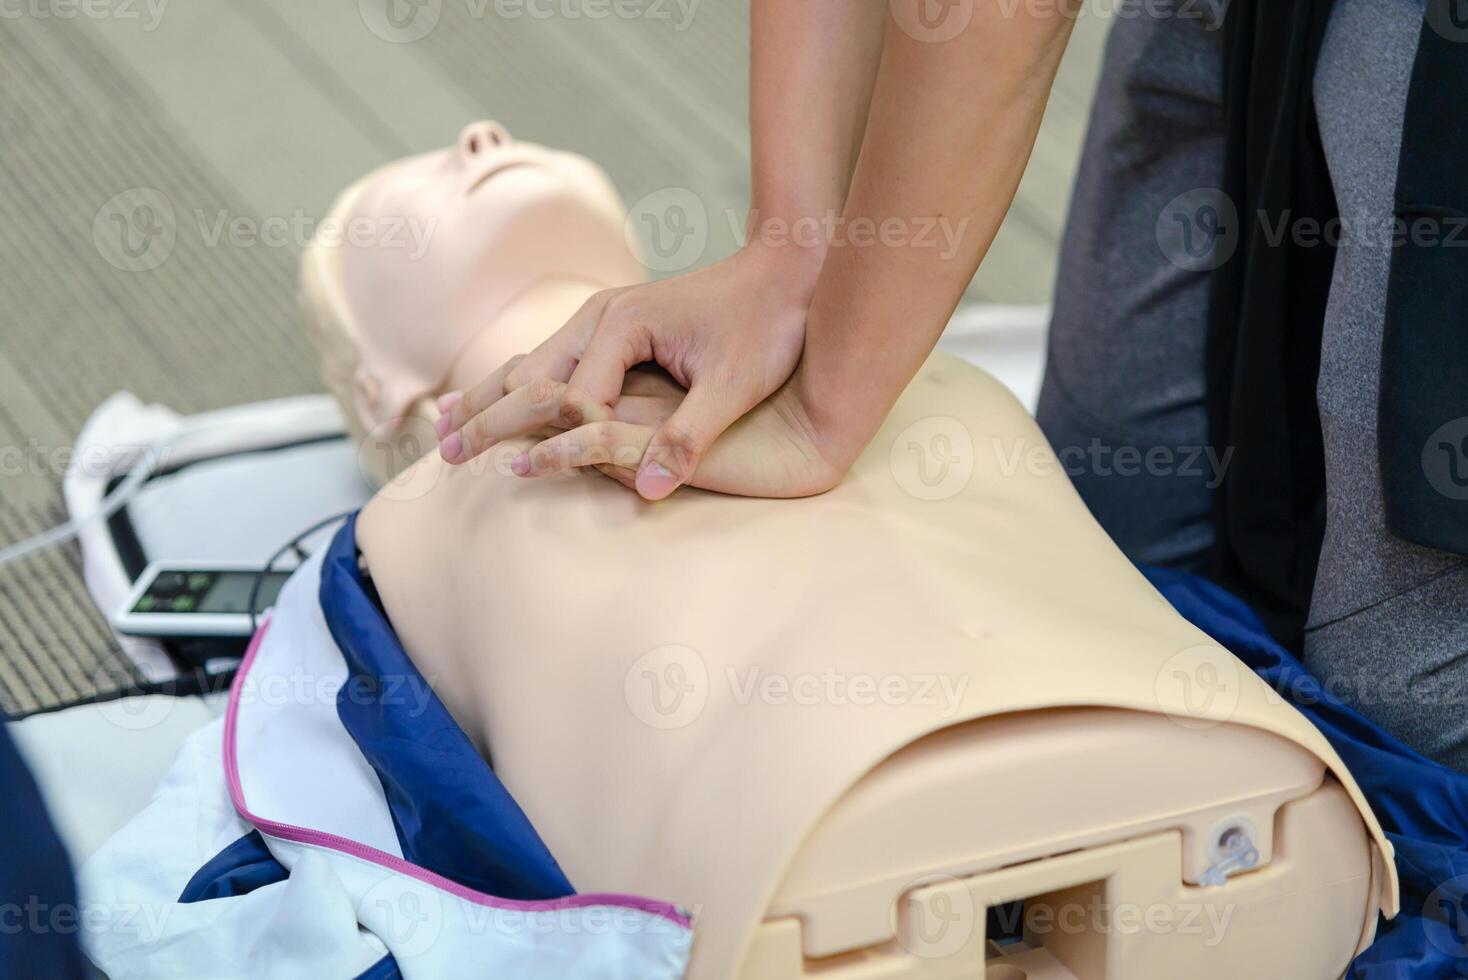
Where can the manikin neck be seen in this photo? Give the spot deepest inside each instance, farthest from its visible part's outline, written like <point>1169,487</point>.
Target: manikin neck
<point>517,328</point>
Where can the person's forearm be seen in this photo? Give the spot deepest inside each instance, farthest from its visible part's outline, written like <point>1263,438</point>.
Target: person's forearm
<point>951,128</point>
<point>812,67</point>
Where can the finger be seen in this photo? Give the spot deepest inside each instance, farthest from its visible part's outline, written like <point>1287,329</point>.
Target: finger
<point>597,444</point>
<point>624,476</point>
<point>615,346</point>
<point>678,446</point>
<point>533,407</point>
<point>557,356</point>
<point>459,407</point>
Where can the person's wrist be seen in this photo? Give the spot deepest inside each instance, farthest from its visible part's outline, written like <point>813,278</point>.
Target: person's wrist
<point>833,425</point>
<point>790,266</point>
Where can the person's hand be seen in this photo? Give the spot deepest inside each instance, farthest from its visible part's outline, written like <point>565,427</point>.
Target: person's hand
<point>773,451</point>
<point>730,334</point>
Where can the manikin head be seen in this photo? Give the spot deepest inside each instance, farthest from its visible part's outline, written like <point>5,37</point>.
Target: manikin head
<point>430,255</point>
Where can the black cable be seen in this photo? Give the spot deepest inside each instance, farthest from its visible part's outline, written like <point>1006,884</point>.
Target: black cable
<point>198,682</point>
<point>293,544</point>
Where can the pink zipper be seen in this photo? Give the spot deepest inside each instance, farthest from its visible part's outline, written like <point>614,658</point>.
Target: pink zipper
<point>316,838</point>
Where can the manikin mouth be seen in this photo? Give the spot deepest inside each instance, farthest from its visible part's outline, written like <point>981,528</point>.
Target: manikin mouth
<point>494,171</point>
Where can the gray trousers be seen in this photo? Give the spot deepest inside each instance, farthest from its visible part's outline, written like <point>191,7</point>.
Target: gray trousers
<point>1123,398</point>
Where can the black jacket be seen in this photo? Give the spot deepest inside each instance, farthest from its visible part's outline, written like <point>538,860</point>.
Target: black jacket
<point>1268,308</point>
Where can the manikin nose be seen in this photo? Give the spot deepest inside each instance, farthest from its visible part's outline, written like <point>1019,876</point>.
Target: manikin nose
<point>482,137</point>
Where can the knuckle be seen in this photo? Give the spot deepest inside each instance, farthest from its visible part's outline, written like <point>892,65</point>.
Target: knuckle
<point>600,434</point>
<point>543,457</point>
<point>476,434</point>
<point>541,392</point>
<point>594,310</point>
<point>683,439</point>
<point>620,311</point>
<point>475,400</point>
<point>458,413</point>
<point>520,371</point>
<point>627,457</point>
<point>732,377</point>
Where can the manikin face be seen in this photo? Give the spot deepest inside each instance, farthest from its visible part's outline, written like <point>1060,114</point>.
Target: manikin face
<point>434,247</point>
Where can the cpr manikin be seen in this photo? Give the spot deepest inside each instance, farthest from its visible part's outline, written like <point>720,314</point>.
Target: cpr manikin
<point>836,728</point>
<point>507,234</point>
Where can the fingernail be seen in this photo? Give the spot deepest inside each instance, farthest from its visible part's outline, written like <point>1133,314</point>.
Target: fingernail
<point>452,447</point>
<point>520,465</point>
<point>655,481</point>
<point>445,406</point>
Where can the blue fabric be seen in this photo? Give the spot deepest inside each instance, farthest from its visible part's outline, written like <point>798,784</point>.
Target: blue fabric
<point>39,918</point>
<point>1422,806</point>
<point>384,969</point>
<point>239,869</point>
<point>452,814</point>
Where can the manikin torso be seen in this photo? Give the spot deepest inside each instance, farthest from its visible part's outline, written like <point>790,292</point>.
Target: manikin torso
<point>676,692</point>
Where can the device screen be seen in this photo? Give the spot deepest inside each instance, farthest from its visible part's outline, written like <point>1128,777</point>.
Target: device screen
<point>209,592</point>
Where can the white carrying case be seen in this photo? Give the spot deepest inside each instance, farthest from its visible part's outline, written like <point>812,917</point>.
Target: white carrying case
<point>229,486</point>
